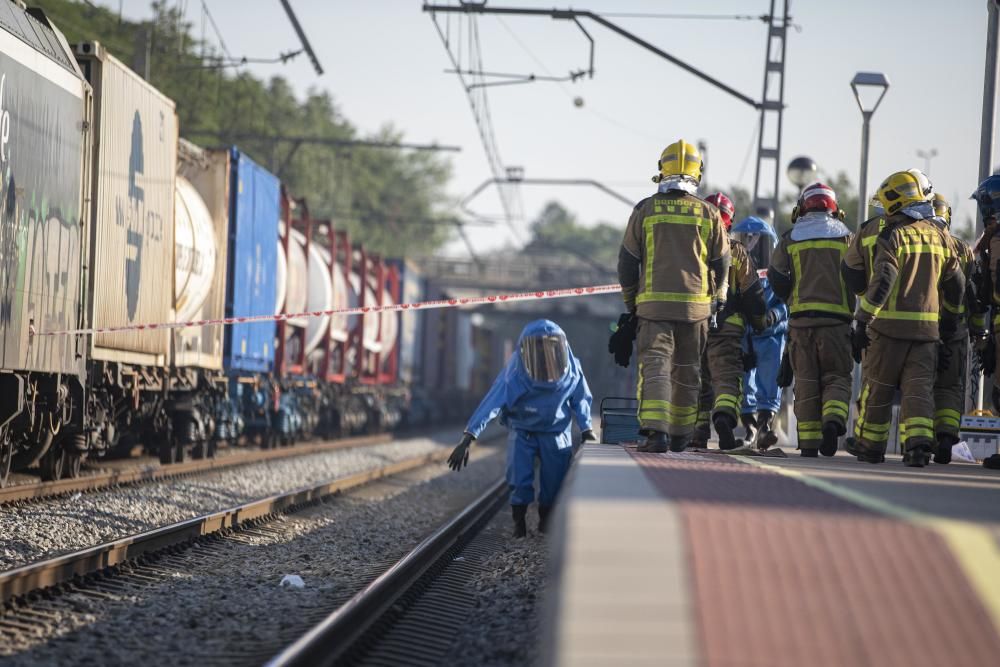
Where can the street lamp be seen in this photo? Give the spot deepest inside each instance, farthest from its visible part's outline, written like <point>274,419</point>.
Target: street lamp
<point>874,82</point>
<point>926,156</point>
<point>802,171</point>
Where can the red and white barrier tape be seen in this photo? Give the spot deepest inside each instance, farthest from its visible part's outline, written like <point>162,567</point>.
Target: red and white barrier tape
<point>398,307</point>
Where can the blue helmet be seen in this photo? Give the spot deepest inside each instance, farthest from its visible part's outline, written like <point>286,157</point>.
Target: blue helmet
<point>753,228</point>
<point>987,195</point>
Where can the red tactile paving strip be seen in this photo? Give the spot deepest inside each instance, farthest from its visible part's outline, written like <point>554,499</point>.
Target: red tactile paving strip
<point>782,578</point>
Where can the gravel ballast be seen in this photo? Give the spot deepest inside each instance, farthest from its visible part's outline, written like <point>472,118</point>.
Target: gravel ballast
<point>222,602</point>
<point>504,627</point>
<point>41,529</point>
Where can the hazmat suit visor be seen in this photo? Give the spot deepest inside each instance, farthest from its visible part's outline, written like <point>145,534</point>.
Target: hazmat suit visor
<point>545,357</point>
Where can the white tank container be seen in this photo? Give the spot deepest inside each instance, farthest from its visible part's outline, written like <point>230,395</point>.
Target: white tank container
<point>195,251</point>
<point>308,288</point>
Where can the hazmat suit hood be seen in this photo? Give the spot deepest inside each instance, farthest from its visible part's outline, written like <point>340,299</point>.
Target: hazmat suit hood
<point>519,375</point>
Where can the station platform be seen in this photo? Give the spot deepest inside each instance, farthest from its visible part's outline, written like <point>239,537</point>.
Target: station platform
<point>713,559</point>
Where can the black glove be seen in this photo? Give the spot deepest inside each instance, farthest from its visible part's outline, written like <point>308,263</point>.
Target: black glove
<point>749,359</point>
<point>758,323</point>
<point>588,436</point>
<point>773,317</point>
<point>460,455</point>
<point>859,340</point>
<point>785,370</point>
<point>620,343</point>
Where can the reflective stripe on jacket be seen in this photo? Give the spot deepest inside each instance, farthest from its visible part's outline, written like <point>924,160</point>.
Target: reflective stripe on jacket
<point>914,276</point>
<point>675,236</point>
<point>817,295</point>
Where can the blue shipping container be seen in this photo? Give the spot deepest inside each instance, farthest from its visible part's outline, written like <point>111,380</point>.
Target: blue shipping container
<point>254,212</point>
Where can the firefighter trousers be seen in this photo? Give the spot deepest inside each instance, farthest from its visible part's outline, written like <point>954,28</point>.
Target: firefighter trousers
<point>670,375</point>
<point>821,364</point>
<point>949,386</point>
<point>721,381</point>
<point>888,364</point>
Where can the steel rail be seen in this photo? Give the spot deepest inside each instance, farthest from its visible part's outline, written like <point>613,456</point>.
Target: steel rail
<point>147,473</point>
<point>334,636</point>
<point>65,568</point>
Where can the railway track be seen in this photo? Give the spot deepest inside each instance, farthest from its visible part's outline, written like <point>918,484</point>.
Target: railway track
<point>409,613</point>
<point>141,473</point>
<point>72,567</point>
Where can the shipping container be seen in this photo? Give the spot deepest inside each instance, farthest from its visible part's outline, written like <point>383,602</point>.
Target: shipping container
<point>201,231</point>
<point>134,172</point>
<point>254,213</point>
<point>43,125</point>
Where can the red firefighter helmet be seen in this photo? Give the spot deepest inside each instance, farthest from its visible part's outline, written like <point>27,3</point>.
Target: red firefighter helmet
<point>725,206</point>
<point>816,197</point>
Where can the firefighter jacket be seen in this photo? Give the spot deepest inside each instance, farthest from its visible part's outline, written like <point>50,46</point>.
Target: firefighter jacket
<point>856,267</point>
<point>745,296</point>
<point>915,280</point>
<point>674,258</point>
<point>970,316</point>
<point>805,272</point>
<point>994,253</point>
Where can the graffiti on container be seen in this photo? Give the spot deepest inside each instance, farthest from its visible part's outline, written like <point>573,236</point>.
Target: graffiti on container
<point>4,122</point>
<point>141,223</point>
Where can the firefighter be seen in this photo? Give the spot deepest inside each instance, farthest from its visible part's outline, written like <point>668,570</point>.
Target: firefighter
<point>987,197</point>
<point>911,302</point>
<point>805,273</point>
<point>723,364</point>
<point>763,346</point>
<point>856,267</point>
<point>538,395</point>
<point>949,385</point>
<point>672,268</point>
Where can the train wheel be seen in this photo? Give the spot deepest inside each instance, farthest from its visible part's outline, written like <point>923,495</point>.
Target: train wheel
<point>171,452</point>
<point>72,463</point>
<point>52,463</point>
<point>6,456</point>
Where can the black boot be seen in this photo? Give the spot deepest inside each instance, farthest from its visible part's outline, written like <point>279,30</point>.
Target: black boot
<point>765,436</point>
<point>864,454</point>
<point>544,511</point>
<point>679,443</point>
<point>724,425</point>
<point>831,432</point>
<point>809,453</point>
<point>702,433</point>
<point>749,422</point>
<point>656,443</point>
<point>519,513</point>
<point>944,444</point>
<point>917,457</point>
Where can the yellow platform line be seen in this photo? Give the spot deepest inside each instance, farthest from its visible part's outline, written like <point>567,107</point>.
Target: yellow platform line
<point>973,546</point>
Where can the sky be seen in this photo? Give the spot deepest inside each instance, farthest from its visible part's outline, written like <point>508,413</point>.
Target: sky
<point>384,64</point>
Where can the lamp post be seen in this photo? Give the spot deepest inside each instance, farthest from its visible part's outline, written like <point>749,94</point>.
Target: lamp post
<point>874,81</point>
<point>926,156</point>
<point>802,171</point>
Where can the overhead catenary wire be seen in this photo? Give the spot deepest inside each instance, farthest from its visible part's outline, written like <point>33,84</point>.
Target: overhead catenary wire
<point>479,103</point>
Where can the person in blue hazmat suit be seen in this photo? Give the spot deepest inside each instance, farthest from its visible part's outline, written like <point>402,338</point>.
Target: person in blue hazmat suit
<point>761,395</point>
<point>536,396</point>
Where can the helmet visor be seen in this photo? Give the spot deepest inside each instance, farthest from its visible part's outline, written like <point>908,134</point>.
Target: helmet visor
<point>546,358</point>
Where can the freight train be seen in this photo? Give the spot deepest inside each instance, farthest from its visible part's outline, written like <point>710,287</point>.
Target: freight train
<point>108,217</point>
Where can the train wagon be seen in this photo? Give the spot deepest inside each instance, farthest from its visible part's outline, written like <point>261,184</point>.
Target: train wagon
<point>44,128</point>
<point>134,169</point>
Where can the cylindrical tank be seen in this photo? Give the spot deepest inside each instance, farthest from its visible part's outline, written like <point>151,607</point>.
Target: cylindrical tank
<point>307,287</point>
<point>280,279</point>
<point>340,298</point>
<point>195,251</point>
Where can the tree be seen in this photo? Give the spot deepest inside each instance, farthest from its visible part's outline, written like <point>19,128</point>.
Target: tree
<point>389,199</point>
<point>556,230</point>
